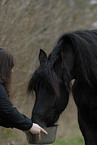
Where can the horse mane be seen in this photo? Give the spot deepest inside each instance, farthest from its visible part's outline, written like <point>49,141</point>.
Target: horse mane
<point>84,44</point>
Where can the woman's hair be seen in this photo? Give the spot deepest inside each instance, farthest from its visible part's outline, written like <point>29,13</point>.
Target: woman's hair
<point>6,65</point>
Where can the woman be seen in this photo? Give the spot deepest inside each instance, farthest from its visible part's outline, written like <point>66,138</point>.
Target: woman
<point>10,117</point>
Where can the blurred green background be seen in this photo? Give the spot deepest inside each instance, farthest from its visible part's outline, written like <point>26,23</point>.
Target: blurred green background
<point>25,27</point>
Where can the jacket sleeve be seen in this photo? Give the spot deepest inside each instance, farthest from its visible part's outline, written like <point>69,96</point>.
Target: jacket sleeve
<point>9,115</point>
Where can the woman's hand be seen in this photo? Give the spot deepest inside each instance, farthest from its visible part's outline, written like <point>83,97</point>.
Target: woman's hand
<point>36,129</point>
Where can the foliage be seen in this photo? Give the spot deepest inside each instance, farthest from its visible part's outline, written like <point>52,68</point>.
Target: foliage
<point>72,141</point>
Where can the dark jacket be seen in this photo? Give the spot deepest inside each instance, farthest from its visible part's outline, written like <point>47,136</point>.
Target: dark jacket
<point>10,117</point>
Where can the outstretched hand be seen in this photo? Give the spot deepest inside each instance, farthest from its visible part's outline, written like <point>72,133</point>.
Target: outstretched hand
<point>36,129</point>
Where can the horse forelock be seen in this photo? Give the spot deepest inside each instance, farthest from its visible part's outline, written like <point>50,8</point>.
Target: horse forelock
<point>45,74</point>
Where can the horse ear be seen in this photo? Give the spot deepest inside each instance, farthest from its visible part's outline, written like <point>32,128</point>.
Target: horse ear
<point>42,57</point>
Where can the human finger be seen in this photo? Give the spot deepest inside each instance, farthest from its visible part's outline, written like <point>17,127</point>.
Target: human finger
<point>44,131</point>
<point>39,136</point>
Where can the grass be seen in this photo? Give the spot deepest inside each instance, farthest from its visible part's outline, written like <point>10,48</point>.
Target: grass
<point>6,133</point>
<point>7,136</point>
<point>71,141</point>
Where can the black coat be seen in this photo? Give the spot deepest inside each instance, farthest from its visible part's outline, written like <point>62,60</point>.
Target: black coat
<point>10,117</point>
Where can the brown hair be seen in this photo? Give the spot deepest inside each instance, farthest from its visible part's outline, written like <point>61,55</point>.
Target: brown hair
<point>6,65</point>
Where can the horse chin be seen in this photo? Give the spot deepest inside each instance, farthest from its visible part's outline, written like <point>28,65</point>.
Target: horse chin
<point>50,124</point>
<point>53,122</point>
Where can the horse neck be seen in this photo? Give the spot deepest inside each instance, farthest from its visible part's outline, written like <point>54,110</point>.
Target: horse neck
<point>68,58</point>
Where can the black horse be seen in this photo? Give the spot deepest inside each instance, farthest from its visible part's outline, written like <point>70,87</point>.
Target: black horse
<point>73,57</point>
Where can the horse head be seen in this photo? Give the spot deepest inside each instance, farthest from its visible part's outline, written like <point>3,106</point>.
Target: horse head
<point>50,82</point>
